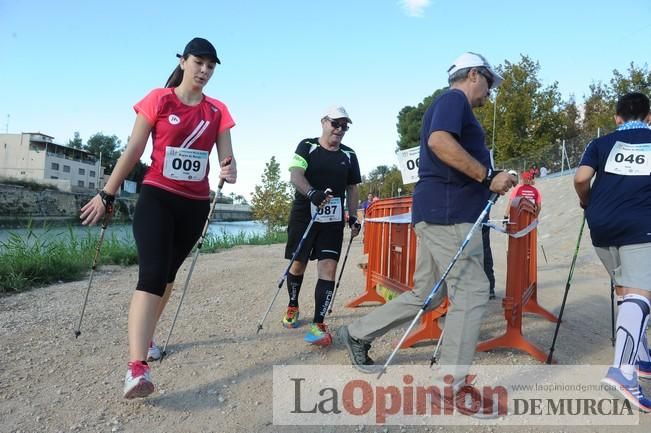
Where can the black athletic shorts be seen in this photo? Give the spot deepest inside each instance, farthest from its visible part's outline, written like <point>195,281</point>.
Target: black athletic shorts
<point>165,226</point>
<point>322,242</point>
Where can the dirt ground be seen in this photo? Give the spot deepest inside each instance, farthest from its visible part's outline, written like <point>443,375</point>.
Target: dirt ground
<point>218,375</point>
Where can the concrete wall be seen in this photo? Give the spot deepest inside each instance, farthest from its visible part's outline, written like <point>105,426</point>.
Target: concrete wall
<point>231,212</point>
<point>18,205</point>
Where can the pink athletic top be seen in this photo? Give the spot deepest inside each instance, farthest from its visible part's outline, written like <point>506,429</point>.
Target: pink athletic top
<point>527,191</point>
<point>183,137</point>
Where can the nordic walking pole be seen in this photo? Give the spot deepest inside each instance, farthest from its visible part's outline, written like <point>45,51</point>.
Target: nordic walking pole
<point>567,289</point>
<point>612,313</point>
<point>163,353</point>
<point>544,255</point>
<point>436,349</point>
<point>341,271</point>
<point>283,277</point>
<point>487,208</point>
<point>108,205</point>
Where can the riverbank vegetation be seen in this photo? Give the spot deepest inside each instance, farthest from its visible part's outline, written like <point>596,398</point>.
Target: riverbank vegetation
<point>29,260</point>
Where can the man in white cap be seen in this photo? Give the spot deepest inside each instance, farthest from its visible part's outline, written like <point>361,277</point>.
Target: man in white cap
<point>456,179</point>
<point>320,164</point>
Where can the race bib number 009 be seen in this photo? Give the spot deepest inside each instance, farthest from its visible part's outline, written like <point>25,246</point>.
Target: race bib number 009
<point>629,159</point>
<point>329,213</point>
<point>185,164</point>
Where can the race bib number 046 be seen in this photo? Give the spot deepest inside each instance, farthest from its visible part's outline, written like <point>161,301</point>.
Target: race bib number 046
<point>185,164</point>
<point>629,159</point>
<point>329,213</point>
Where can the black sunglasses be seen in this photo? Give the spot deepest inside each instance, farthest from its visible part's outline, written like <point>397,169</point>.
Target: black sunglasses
<point>488,76</point>
<point>336,124</point>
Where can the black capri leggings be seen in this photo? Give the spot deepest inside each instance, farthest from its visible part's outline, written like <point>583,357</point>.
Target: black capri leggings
<point>165,226</point>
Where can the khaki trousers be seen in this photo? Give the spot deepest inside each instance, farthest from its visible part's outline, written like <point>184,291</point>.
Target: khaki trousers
<point>466,287</point>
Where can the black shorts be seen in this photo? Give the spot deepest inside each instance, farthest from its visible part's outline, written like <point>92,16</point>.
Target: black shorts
<point>323,241</point>
<point>165,226</point>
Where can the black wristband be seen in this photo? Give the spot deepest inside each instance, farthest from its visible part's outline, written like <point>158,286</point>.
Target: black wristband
<point>490,175</point>
<point>107,199</point>
<point>352,220</point>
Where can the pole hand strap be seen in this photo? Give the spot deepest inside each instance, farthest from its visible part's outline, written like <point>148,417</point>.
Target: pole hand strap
<point>518,234</point>
<point>107,200</point>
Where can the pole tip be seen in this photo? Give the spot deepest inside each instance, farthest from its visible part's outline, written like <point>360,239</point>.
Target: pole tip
<point>77,334</point>
<point>259,329</point>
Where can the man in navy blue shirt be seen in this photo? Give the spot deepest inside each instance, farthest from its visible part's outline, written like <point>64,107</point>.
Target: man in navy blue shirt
<point>618,211</point>
<point>456,179</point>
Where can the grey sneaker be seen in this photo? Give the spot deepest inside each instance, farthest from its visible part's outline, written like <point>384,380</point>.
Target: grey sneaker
<point>357,351</point>
<point>153,353</point>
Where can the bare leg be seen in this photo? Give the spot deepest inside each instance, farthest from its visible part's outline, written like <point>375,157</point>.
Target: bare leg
<point>166,297</point>
<point>142,322</point>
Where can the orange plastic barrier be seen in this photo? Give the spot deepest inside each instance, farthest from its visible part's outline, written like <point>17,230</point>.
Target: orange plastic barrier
<point>391,249</point>
<point>521,286</point>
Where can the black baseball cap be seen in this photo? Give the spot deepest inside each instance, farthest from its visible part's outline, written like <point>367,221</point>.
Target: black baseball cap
<point>200,47</point>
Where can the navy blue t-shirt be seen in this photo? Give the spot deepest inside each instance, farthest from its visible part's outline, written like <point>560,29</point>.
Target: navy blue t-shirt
<point>444,195</point>
<point>619,209</point>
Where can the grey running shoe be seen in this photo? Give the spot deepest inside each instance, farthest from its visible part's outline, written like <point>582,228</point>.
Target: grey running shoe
<point>358,351</point>
<point>153,353</point>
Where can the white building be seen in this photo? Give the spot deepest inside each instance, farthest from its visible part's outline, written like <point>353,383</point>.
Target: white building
<point>34,156</point>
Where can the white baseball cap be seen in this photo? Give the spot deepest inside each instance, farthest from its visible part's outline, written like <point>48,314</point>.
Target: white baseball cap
<point>474,60</point>
<point>337,112</point>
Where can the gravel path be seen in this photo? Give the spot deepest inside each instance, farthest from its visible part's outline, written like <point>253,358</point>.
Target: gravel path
<point>218,374</point>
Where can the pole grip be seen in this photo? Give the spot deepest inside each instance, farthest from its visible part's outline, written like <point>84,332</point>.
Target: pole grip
<point>224,163</point>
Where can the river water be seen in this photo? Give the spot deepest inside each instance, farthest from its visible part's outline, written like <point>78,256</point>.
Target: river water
<point>123,231</point>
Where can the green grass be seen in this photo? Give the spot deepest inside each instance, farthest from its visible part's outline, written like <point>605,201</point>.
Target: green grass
<point>30,260</point>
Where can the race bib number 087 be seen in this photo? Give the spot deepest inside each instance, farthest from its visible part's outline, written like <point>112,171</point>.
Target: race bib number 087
<point>330,212</point>
<point>185,164</point>
<point>629,159</point>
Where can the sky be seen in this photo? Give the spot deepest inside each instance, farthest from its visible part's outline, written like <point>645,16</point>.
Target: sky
<point>81,65</point>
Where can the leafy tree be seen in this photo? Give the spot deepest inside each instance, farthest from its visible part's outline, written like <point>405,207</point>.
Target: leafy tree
<point>138,173</point>
<point>601,102</point>
<point>109,147</point>
<point>638,80</point>
<point>271,201</point>
<point>384,181</point>
<point>571,119</point>
<point>76,141</point>
<point>531,120</point>
<point>599,108</point>
<point>410,120</point>
<point>529,116</point>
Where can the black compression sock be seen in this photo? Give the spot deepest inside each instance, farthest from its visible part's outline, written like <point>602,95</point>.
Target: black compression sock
<point>322,296</point>
<point>294,287</point>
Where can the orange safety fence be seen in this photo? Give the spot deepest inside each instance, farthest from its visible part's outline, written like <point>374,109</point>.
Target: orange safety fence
<point>521,285</point>
<point>390,242</point>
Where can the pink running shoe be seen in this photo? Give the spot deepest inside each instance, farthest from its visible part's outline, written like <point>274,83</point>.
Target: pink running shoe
<point>137,383</point>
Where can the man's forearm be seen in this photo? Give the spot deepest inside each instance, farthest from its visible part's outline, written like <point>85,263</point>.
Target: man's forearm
<point>298,179</point>
<point>353,199</point>
<point>448,150</point>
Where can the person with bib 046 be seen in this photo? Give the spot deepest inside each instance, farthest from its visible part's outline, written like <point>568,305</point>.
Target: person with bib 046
<point>320,164</point>
<point>174,201</point>
<point>618,211</point>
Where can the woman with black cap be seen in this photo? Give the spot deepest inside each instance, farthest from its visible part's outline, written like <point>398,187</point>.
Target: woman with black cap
<point>184,125</point>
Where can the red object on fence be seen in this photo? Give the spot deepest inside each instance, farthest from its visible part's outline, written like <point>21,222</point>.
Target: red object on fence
<point>521,286</point>
<point>391,249</point>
